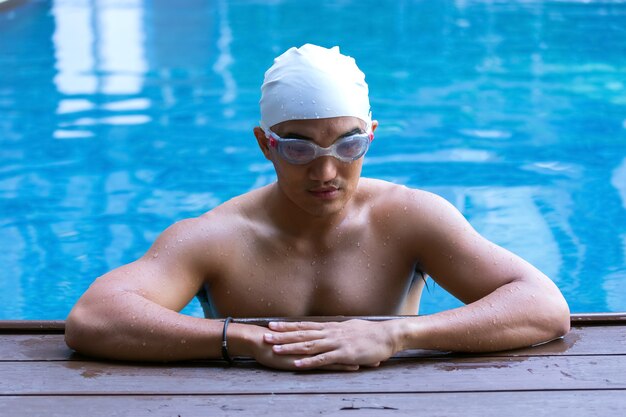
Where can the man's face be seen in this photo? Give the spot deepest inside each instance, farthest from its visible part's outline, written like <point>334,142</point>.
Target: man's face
<point>325,185</point>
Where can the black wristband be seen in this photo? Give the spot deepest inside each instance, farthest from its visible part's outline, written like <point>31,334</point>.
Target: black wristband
<point>225,354</point>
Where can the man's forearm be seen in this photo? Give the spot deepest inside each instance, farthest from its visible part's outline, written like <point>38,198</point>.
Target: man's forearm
<point>513,316</point>
<point>144,331</point>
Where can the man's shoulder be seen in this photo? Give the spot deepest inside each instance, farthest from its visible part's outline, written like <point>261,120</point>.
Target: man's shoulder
<point>398,203</point>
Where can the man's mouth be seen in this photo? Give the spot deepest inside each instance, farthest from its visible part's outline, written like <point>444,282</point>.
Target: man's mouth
<point>325,192</point>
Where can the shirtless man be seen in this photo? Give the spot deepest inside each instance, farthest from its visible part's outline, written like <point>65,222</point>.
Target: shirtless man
<point>321,241</point>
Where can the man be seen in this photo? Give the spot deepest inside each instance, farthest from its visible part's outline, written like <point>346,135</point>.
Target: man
<point>321,241</point>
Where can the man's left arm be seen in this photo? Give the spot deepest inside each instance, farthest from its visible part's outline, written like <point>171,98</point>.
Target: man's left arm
<point>509,303</point>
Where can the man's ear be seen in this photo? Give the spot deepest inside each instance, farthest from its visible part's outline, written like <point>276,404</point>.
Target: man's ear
<point>262,141</point>
<point>374,125</point>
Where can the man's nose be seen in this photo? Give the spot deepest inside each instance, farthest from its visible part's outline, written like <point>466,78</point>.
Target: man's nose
<point>323,169</point>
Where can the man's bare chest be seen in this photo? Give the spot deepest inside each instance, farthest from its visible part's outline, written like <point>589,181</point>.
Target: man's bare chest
<point>357,279</point>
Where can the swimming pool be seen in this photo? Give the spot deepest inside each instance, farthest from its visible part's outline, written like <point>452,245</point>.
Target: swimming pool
<point>118,118</point>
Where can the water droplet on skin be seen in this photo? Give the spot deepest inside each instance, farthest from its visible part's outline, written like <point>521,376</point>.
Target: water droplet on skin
<point>180,240</point>
<point>151,330</point>
<point>312,263</point>
<point>313,101</point>
<point>405,208</point>
<point>269,304</point>
<point>249,288</point>
<point>155,255</point>
<point>368,265</point>
<point>358,244</point>
<point>267,259</point>
<point>183,341</point>
<point>143,343</point>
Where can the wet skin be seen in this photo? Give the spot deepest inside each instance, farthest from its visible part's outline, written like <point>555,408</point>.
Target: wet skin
<point>319,241</point>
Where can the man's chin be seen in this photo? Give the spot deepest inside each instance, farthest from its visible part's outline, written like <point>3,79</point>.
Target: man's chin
<point>323,207</point>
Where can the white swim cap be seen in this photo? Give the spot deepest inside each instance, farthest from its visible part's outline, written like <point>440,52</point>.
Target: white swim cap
<point>312,82</point>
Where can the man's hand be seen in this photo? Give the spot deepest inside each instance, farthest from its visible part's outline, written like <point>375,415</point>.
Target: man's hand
<point>334,346</point>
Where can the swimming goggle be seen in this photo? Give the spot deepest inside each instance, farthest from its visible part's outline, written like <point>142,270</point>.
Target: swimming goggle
<point>299,151</point>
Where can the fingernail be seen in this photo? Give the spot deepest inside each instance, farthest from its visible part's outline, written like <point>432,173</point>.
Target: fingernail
<point>297,362</point>
<point>278,348</point>
<point>268,337</point>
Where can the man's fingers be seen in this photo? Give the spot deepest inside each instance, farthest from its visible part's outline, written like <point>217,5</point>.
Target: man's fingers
<point>309,347</point>
<point>290,326</point>
<point>317,361</point>
<point>292,336</point>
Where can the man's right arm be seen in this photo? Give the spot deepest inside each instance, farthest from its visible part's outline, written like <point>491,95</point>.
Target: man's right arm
<point>131,313</point>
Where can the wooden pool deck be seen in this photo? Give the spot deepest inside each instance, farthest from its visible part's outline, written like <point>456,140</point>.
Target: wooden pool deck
<point>583,374</point>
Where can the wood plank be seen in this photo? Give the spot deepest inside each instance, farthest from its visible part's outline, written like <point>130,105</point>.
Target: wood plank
<point>32,326</point>
<point>34,347</point>
<point>610,340</point>
<point>592,319</point>
<point>548,404</point>
<point>402,376</point>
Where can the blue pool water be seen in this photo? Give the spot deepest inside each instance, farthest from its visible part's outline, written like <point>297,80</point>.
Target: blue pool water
<point>120,117</point>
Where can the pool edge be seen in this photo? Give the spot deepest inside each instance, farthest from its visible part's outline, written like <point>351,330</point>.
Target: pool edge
<point>58,326</point>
